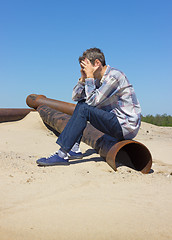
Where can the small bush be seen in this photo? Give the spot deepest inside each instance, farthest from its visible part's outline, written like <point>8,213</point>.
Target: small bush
<point>159,120</point>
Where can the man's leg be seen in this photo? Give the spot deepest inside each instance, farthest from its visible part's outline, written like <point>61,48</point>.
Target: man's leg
<point>102,120</point>
<point>75,152</point>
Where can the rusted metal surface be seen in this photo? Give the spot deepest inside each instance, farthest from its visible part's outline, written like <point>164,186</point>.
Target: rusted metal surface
<point>13,114</point>
<point>137,155</point>
<point>35,100</point>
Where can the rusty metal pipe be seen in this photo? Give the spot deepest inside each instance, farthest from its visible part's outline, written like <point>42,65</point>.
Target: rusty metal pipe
<point>35,100</point>
<point>138,156</point>
<point>13,114</point>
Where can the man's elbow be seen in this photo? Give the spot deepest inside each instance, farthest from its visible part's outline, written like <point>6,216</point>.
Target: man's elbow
<point>91,102</point>
<point>75,98</point>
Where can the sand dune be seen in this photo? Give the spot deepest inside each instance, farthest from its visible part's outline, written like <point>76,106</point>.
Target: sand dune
<point>87,199</point>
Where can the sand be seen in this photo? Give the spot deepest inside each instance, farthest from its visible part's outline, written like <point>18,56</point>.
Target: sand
<point>87,199</point>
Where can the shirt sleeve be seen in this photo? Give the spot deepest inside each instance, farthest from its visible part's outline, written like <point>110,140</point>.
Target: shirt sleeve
<point>78,91</point>
<point>96,96</point>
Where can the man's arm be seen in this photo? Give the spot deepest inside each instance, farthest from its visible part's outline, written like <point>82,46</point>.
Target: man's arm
<point>95,96</point>
<point>79,90</point>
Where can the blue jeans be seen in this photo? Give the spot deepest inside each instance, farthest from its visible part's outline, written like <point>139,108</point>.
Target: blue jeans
<point>104,121</point>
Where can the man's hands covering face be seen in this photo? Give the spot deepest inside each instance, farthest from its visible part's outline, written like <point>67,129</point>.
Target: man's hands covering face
<point>83,75</point>
<point>88,68</point>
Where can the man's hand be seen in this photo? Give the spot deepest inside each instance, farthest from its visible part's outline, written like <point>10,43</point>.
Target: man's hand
<point>88,68</point>
<point>83,75</point>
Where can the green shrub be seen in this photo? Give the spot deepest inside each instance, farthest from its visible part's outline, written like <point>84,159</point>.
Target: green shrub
<point>159,120</point>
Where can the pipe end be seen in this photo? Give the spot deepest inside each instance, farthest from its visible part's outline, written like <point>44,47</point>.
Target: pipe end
<point>32,99</point>
<point>136,156</point>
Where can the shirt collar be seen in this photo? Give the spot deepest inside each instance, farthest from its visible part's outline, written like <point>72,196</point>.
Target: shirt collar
<point>105,74</point>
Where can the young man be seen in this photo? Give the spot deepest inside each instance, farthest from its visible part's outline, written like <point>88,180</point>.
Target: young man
<point>106,99</point>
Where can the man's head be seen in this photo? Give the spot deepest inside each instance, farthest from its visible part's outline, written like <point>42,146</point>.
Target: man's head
<point>93,54</point>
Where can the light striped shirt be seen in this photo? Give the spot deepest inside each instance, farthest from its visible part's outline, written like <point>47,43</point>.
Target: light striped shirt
<point>113,93</point>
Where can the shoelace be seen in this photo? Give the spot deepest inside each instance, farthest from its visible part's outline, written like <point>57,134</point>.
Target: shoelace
<point>52,155</point>
<point>56,153</point>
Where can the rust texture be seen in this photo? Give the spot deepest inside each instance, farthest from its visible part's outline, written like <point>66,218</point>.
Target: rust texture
<point>13,114</point>
<point>35,100</point>
<point>136,154</point>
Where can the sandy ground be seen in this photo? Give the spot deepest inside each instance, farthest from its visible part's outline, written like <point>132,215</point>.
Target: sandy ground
<point>87,199</point>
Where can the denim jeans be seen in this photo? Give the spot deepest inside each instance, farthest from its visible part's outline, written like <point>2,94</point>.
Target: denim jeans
<point>104,121</point>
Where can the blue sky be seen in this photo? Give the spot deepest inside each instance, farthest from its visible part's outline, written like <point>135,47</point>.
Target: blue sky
<point>41,40</point>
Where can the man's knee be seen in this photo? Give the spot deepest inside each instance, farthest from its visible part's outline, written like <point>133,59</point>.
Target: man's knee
<point>79,105</point>
<point>82,108</point>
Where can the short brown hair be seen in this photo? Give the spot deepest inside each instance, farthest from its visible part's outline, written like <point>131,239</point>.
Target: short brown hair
<point>92,54</point>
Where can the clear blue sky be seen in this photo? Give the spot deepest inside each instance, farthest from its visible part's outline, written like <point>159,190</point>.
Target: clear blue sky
<point>41,40</point>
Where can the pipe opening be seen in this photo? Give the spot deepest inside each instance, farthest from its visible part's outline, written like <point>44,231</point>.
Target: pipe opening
<point>135,156</point>
<point>123,159</point>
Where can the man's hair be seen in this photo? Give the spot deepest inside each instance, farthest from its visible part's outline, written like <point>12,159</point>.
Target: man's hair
<point>92,54</point>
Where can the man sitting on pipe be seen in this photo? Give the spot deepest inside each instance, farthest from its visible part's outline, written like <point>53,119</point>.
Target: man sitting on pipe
<point>106,99</point>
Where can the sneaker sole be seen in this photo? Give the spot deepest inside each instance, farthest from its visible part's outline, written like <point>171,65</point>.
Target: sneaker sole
<point>53,164</point>
<point>74,157</point>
